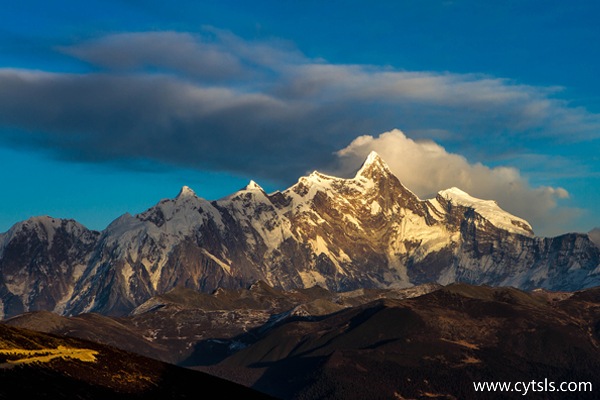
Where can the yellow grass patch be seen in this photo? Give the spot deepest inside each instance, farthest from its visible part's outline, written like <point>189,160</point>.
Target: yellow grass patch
<point>471,360</point>
<point>45,355</point>
<point>463,343</point>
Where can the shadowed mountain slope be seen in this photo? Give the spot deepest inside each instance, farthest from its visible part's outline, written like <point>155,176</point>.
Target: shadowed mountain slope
<point>41,366</point>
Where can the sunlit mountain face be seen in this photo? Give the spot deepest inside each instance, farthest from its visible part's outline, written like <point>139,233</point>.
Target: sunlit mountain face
<point>368,231</point>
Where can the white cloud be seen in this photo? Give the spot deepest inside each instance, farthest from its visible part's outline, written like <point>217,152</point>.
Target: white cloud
<point>426,168</point>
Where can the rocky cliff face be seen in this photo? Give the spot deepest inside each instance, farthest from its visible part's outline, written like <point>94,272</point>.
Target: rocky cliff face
<point>41,260</point>
<point>365,232</point>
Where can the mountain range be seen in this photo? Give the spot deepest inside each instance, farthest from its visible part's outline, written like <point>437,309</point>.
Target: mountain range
<point>341,234</point>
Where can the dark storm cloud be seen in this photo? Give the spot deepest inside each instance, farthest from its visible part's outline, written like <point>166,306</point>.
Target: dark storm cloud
<point>104,117</point>
<point>192,56</point>
<point>215,101</point>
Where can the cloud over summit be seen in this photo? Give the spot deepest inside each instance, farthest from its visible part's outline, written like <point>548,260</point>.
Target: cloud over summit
<point>425,167</point>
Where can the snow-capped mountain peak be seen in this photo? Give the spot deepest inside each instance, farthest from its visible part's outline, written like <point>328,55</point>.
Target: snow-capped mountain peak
<point>490,210</point>
<point>373,158</point>
<point>45,227</point>
<point>186,191</point>
<point>373,167</point>
<point>253,186</point>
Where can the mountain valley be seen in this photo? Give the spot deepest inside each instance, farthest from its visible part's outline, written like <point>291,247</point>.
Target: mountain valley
<point>416,343</point>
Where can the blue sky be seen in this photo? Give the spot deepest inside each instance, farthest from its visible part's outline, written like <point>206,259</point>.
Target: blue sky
<point>108,107</point>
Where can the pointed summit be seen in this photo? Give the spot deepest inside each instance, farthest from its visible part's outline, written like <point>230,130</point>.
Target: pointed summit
<point>186,191</point>
<point>253,186</point>
<point>372,158</point>
<point>373,166</point>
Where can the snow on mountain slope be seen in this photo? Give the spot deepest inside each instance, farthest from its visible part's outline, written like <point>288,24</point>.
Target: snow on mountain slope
<point>135,252</point>
<point>256,213</point>
<point>368,231</point>
<point>489,210</point>
<point>41,259</point>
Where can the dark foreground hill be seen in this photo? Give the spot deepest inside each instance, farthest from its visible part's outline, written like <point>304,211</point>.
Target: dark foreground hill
<point>433,346</point>
<point>419,343</point>
<point>41,366</point>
